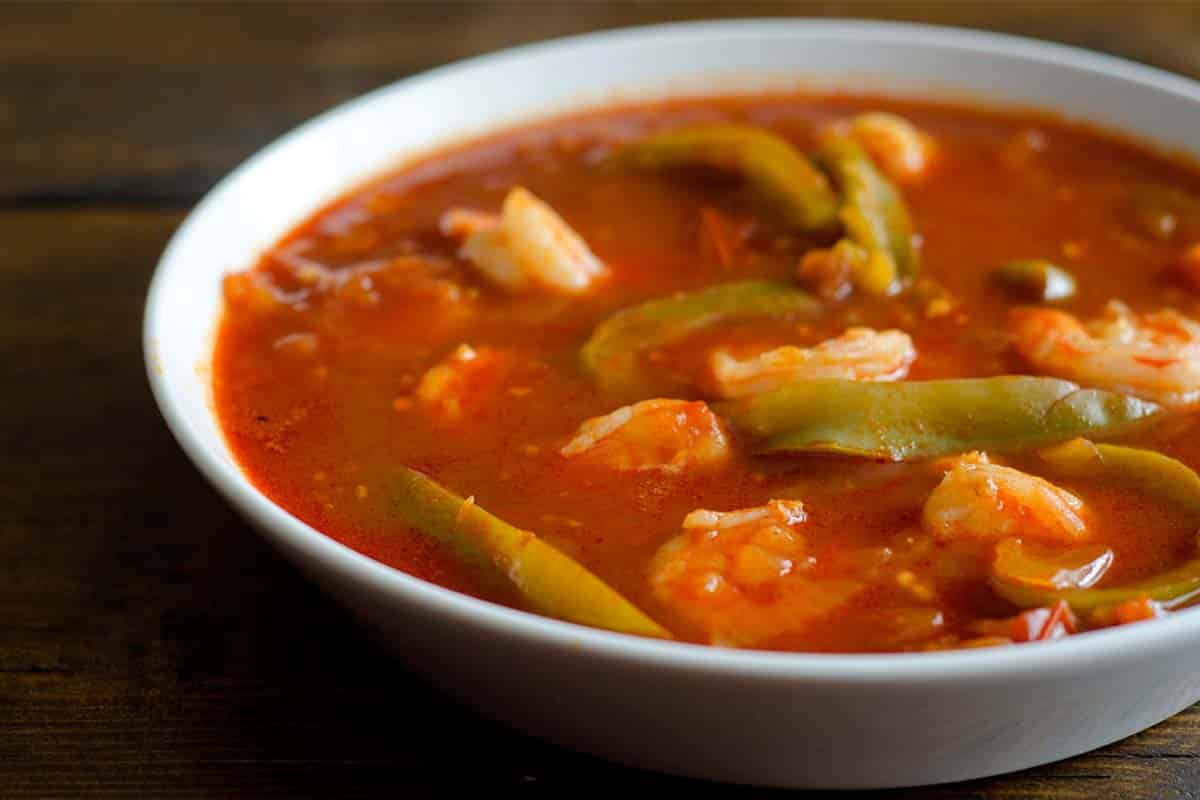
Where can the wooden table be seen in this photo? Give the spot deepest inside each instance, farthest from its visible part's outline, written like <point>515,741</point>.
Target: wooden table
<point>150,644</point>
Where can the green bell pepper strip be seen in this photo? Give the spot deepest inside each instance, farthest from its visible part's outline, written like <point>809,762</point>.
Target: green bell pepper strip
<point>1036,279</point>
<point>873,214</point>
<point>1028,566</point>
<point>784,178</point>
<point>552,582</point>
<point>1172,588</point>
<point>612,355</point>
<point>1145,470</point>
<point>911,421</point>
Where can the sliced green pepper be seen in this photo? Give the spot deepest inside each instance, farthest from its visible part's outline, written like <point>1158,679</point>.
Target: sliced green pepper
<point>1031,567</point>
<point>909,421</point>
<point>874,216</point>
<point>1036,279</point>
<point>1145,470</point>
<point>613,352</point>
<point>1172,588</point>
<point>552,582</point>
<point>783,177</point>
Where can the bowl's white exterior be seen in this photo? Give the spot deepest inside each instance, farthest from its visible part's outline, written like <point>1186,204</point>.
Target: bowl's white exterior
<point>760,718</point>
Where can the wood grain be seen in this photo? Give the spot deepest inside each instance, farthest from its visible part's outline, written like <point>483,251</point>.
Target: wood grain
<point>150,644</point>
<point>151,103</point>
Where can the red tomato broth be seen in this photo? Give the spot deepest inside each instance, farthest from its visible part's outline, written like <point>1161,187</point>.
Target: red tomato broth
<point>318,423</point>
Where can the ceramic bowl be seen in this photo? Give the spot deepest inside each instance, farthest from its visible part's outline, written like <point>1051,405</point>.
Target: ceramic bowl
<point>778,719</point>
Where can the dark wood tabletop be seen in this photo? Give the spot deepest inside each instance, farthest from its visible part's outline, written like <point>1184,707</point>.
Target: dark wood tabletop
<point>150,644</point>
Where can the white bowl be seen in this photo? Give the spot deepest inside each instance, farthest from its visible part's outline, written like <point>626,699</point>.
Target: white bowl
<point>761,718</point>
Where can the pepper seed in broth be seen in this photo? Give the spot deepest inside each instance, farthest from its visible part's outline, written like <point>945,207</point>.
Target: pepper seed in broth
<point>794,372</point>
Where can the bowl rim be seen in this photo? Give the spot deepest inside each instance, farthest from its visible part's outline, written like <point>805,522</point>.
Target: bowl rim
<point>1112,646</point>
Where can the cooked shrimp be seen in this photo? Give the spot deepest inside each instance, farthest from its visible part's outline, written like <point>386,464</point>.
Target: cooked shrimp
<point>528,244</point>
<point>740,577</point>
<point>829,271</point>
<point>859,354</point>
<point>897,146</point>
<point>984,501</point>
<point>653,434</point>
<point>1153,356</point>
<point>462,382</point>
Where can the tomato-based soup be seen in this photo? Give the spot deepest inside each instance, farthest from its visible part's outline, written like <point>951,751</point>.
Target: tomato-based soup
<point>611,330</point>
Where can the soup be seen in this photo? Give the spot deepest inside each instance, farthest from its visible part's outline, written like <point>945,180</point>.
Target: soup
<point>791,372</point>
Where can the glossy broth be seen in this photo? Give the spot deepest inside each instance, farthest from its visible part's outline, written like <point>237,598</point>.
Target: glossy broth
<point>326,338</point>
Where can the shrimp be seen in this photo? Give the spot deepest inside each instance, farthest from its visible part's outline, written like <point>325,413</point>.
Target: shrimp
<point>461,383</point>
<point>1153,356</point>
<point>527,245</point>
<point>741,578</point>
<point>981,501</point>
<point>660,434</point>
<point>859,354</point>
<point>899,148</point>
